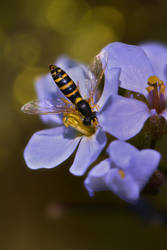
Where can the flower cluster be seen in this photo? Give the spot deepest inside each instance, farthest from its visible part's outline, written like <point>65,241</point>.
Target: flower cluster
<point>123,171</point>
<point>134,92</point>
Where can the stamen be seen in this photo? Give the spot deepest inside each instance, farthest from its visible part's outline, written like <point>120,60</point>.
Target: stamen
<point>162,87</point>
<point>153,80</point>
<point>156,90</point>
<point>121,173</point>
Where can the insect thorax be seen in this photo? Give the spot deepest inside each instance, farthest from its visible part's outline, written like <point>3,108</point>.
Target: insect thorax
<point>85,109</point>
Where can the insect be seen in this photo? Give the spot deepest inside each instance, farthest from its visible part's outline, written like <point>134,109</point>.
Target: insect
<point>70,90</point>
<point>78,112</point>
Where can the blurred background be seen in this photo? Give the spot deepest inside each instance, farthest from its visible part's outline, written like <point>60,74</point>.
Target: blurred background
<point>50,209</point>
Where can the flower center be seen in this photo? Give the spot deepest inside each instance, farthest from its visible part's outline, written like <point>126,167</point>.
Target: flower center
<point>156,90</point>
<point>121,173</point>
<point>75,121</point>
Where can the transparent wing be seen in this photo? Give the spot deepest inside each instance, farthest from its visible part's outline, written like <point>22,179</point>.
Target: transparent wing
<point>95,73</point>
<point>37,107</point>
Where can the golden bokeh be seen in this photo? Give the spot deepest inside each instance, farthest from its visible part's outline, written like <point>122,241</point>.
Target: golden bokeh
<point>98,27</point>
<point>50,209</point>
<point>62,15</point>
<point>22,50</point>
<point>109,16</point>
<point>24,85</point>
<point>89,40</point>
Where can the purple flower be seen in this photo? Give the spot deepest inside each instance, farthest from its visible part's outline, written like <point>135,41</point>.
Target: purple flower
<point>49,148</point>
<point>125,172</point>
<point>143,70</point>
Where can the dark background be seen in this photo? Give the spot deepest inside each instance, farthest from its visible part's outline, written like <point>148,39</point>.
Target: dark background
<point>50,209</point>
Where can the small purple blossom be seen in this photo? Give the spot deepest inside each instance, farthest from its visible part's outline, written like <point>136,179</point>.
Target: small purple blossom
<point>143,70</point>
<point>49,148</point>
<point>125,172</point>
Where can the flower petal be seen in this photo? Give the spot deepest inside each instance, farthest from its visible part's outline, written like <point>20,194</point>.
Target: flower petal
<point>48,148</point>
<point>95,181</point>
<point>134,64</point>
<point>146,162</point>
<point>122,153</point>
<point>157,54</point>
<point>78,72</point>
<point>47,90</point>
<point>126,188</point>
<point>79,75</point>
<point>88,151</point>
<point>123,117</point>
<point>110,86</point>
<point>65,62</point>
<point>164,114</point>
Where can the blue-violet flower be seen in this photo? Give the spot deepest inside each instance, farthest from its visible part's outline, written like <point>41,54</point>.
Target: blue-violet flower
<point>125,172</point>
<point>143,70</point>
<point>50,147</point>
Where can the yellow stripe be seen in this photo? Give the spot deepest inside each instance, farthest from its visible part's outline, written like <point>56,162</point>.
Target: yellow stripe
<point>72,93</point>
<point>78,99</point>
<point>64,75</point>
<point>54,74</point>
<point>66,85</point>
<point>58,79</point>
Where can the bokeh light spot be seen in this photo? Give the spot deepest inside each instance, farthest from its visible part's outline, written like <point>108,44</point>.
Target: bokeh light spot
<point>62,15</point>
<point>24,85</point>
<point>90,40</point>
<point>98,27</point>
<point>22,49</point>
<point>111,17</point>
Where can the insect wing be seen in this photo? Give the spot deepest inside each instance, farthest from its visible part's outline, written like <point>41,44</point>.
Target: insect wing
<point>96,72</point>
<point>37,107</point>
<point>98,67</point>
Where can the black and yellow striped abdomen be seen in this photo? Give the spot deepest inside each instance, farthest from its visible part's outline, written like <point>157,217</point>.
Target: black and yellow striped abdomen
<point>70,90</point>
<point>65,84</point>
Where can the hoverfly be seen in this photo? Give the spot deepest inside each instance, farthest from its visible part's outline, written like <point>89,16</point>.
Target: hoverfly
<point>78,112</point>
